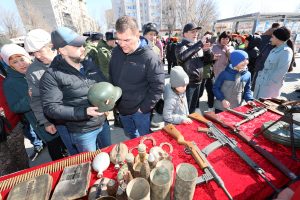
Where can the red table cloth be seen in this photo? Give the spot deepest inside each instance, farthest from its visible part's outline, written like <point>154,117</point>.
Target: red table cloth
<point>241,181</point>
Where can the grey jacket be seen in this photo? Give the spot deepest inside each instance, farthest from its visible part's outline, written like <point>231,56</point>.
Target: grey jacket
<point>33,76</point>
<point>175,106</point>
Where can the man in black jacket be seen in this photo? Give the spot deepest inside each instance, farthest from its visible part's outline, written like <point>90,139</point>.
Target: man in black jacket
<point>64,88</point>
<point>190,55</point>
<point>137,70</point>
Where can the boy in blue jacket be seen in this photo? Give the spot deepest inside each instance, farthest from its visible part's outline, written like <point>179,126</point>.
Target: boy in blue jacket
<point>233,85</point>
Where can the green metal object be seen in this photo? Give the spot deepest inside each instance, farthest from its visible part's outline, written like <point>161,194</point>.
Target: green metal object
<point>104,95</point>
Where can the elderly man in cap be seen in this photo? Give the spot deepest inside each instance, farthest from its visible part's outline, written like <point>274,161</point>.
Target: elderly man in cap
<point>190,55</point>
<point>38,43</point>
<point>64,88</point>
<point>271,78</point>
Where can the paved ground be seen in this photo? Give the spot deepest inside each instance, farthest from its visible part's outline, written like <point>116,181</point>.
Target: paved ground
<point>292,83</point>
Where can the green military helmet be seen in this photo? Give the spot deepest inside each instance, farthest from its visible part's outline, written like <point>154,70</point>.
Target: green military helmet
<point>104,95</point>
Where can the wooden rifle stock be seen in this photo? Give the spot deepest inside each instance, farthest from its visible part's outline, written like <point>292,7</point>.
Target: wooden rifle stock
<point>173,132</point>
<point>272,159</point>
<point>198,118</point>
<point>209,172</point>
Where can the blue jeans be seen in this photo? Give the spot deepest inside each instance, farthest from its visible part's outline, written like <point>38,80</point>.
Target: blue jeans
<point>66,138</point>
<point>104,137</point>
<point>32,136</point>
<point>86,141</point>
<point>137,124</point>
<point>192,96</point>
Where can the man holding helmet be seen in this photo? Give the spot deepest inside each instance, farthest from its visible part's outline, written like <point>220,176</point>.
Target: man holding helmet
<point>64,88</point>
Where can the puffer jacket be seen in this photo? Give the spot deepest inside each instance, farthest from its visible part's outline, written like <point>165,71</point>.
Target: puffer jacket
<point>140,75</point>
<point>175,107</point>
<point>16,92</point>
<point>64,94</point>
<point>228,86</point>
<point>191,57</point>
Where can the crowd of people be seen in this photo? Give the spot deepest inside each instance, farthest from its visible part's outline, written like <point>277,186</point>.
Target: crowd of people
<point>44,86</point>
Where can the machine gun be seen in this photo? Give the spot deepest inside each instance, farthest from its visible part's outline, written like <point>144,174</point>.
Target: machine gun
<point>209,172</point>
<point>253,113</point>
<point>215,118</point>
<point>289,108</point>
<point>222,140</point>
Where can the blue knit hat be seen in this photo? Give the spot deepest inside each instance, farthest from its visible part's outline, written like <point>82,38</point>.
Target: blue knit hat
<point>237,56</point>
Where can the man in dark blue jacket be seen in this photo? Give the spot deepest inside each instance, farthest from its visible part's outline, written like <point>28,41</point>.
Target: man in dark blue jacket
<point>64,88</point>
<point>137,70</point>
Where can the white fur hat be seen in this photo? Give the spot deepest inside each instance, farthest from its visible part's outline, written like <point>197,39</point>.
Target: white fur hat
<point>11,49</point>
<point>36,39</point>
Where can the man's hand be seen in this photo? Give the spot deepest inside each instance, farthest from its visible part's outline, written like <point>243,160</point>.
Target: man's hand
<point>51,129</point>
<point>251,103</point>
<point>93,112</point>
<point>225,104</point>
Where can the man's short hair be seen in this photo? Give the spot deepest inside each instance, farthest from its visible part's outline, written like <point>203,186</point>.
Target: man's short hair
<point>126,22</point>
<point>275,25</point>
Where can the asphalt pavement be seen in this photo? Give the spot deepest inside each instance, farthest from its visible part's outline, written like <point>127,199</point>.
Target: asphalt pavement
<point>292,82</point>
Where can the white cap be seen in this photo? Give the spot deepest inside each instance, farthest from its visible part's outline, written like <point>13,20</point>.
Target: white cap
<point>36,39</point>
<point>12,49</point>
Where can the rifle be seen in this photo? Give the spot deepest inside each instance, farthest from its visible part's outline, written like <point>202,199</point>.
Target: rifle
<point>269,105</point>
<point>222,140</point>
<point>247,117</point>
<point>209,172</point>
<point>212,116</point>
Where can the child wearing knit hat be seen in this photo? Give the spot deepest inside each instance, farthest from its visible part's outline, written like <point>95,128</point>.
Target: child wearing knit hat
<point>233,85</point>
<point>175,107</point>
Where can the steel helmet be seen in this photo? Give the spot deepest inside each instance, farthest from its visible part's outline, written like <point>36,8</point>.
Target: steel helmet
<point>104,95</point>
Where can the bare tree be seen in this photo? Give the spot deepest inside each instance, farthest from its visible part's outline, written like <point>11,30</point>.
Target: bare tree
<point>95,25</point>
<point>206,15</point>
<point>109,16</point>
<point>201,12</point>
<point>169,15</point>
<point>10,24</point>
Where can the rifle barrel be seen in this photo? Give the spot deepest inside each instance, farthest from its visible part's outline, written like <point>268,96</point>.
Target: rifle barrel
<point>267,155</point>
<point>197,155</point>
<point>232,144</point>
